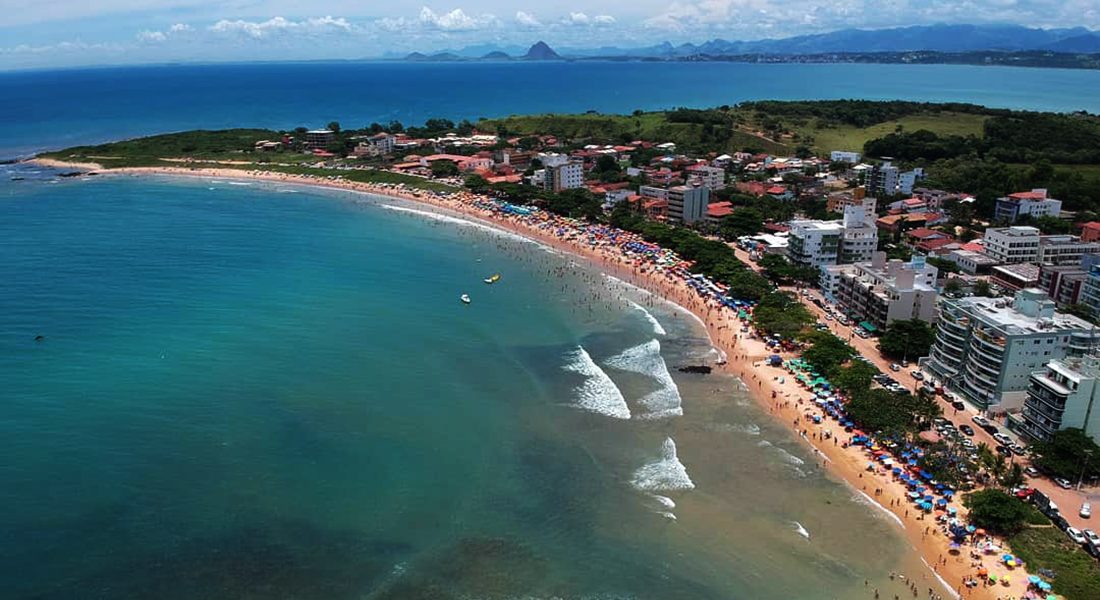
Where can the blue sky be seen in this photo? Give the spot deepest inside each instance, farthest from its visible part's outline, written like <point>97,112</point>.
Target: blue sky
<point>46,33</point>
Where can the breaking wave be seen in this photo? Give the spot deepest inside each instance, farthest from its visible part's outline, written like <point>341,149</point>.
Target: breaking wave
<point>459,221</point>
<point>597,393</point>
<point>658,329</point>
<point>646,359</point>
<point>666,474</point>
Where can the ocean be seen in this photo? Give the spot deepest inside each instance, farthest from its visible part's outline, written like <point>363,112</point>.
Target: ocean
<point>247,390</point>
<point>42,110</point>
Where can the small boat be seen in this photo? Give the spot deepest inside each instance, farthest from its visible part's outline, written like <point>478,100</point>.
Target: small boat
<point>491,280</point>
<point>465,298</point>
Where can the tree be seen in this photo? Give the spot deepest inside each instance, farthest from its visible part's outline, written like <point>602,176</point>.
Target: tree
<point>827,353</point>
<point>334,126</point>
<point>982,288</point>
<point>1070,453</point>
<point>996,511</point>
<point>741,222</point>
<point>444,168</point>
<point>477,184</point>
<point>1014,477</point>
<point>906,340</point>
<point>880,410</point>
<point>780,313</point>
<point>856,378</point>
<point>953,286</point>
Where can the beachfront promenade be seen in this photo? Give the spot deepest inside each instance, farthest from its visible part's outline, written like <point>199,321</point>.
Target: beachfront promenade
<point>629,257</point>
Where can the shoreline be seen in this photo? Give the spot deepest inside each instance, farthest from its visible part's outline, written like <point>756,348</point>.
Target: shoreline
<point>745,358</point>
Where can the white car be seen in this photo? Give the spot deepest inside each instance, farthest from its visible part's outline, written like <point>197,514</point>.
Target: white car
<point>1091,536</point>
<point>895,367</point>
<point>1075,535</point>
<point>980,420</point>
<point>1086,510</point>
<point>1063,483</point>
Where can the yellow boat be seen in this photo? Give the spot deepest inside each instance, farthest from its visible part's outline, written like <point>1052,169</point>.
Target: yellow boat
<point>491,280</point>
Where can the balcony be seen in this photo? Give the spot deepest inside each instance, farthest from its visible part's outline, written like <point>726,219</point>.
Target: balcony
<point>982,380</point>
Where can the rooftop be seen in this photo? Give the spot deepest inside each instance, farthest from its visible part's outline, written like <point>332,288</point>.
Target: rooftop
<point>1003,314</point>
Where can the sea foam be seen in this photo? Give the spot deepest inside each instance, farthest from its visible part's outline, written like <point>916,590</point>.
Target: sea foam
<point>646,359</point>
<point>666,474</point>
<point>459,221</point>
<point>597,393</point>
<point>658,329</point>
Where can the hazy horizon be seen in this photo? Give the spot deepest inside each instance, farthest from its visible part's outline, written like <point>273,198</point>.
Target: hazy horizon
<point>68,33</point>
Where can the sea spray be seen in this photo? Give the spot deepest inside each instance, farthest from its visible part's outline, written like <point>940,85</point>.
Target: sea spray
<point>657,328</point>
<point>597,393</point>
<point>646,359</point>
<point>666,474</point>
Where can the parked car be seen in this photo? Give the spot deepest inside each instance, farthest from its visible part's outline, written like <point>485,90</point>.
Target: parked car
<point>1086,510</point>
<point>968,430</point>
<point>1031,472</point>
<point>958,404</point>
<point>980,420</point>
<point>1004,451</point>
<point>1076,535</point>
<point>1063,483</point>
<point>1091,536</point>
<point>1018,450</point>
<point>895,367</point>
<point>917,374</point>
<point>1002,438</point>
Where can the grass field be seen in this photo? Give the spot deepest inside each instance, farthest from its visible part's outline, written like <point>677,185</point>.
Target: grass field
<point>846,137</point>
<point>1077,575</point>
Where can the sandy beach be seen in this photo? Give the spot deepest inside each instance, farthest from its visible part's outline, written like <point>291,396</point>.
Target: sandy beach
<point>773,387</point>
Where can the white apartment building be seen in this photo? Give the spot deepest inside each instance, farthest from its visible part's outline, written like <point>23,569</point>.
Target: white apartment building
<point>880,291</point>
<point>711,177</point>
<point>814,243</point>
<point>1035,203</point>
<point>1064,249</point>
<point>987,348</point>
<point>688,204</point>
<point>822,243</point>
<point>1064,394</point>
<point>565,176</point>
<point>1008,245</point>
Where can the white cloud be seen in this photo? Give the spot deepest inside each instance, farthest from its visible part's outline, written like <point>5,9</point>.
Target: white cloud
<point>278,25</point>
<point>456,20</point>
<point>580,18</point>
<point>527,19</point>
<point>156,37</point>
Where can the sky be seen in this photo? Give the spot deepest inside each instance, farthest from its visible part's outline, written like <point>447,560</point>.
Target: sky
<point>58,33</point>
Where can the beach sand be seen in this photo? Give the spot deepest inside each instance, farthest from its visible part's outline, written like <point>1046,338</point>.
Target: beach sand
<point>745,356</point>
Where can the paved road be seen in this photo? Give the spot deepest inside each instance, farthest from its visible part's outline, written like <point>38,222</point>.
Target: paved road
<point>1068,501</point>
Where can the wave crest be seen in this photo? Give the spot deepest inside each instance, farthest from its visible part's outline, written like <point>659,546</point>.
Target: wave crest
<point>666,474</point>
<point>646,359</point>
<point>597,393</point>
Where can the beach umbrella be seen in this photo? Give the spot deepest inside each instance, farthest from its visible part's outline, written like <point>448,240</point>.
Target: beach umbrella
<point>1052,597</point>
<point>1033,579</point>
<point>993,577</point>
<point>1044,585</point>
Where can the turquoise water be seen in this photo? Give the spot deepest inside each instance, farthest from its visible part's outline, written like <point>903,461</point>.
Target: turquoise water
<point>54,109</point>
<point>258,391</point>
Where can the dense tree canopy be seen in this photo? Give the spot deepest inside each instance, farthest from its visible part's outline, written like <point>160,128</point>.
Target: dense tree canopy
<point>1069,453</point>
<point>996,511</point>
<point>781,313</point>
<point>907,340</point>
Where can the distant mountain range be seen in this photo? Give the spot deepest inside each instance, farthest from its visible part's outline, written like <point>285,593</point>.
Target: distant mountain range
<point>928,38</point>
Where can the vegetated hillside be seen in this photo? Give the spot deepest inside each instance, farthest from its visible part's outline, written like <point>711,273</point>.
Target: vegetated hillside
<point>145,150</point>
<point>691,130</point>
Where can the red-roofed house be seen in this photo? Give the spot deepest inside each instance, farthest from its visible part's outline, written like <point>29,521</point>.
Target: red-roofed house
<point>718,210</point>
<point>656,208</point>
<point>1090,232</point>
<point>779,192</point>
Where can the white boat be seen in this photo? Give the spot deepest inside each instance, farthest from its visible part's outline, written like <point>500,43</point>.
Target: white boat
<point>491,280</point>
<point>465,298</point>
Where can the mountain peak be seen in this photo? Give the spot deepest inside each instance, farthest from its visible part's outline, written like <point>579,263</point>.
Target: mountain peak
<point>541,51</point>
